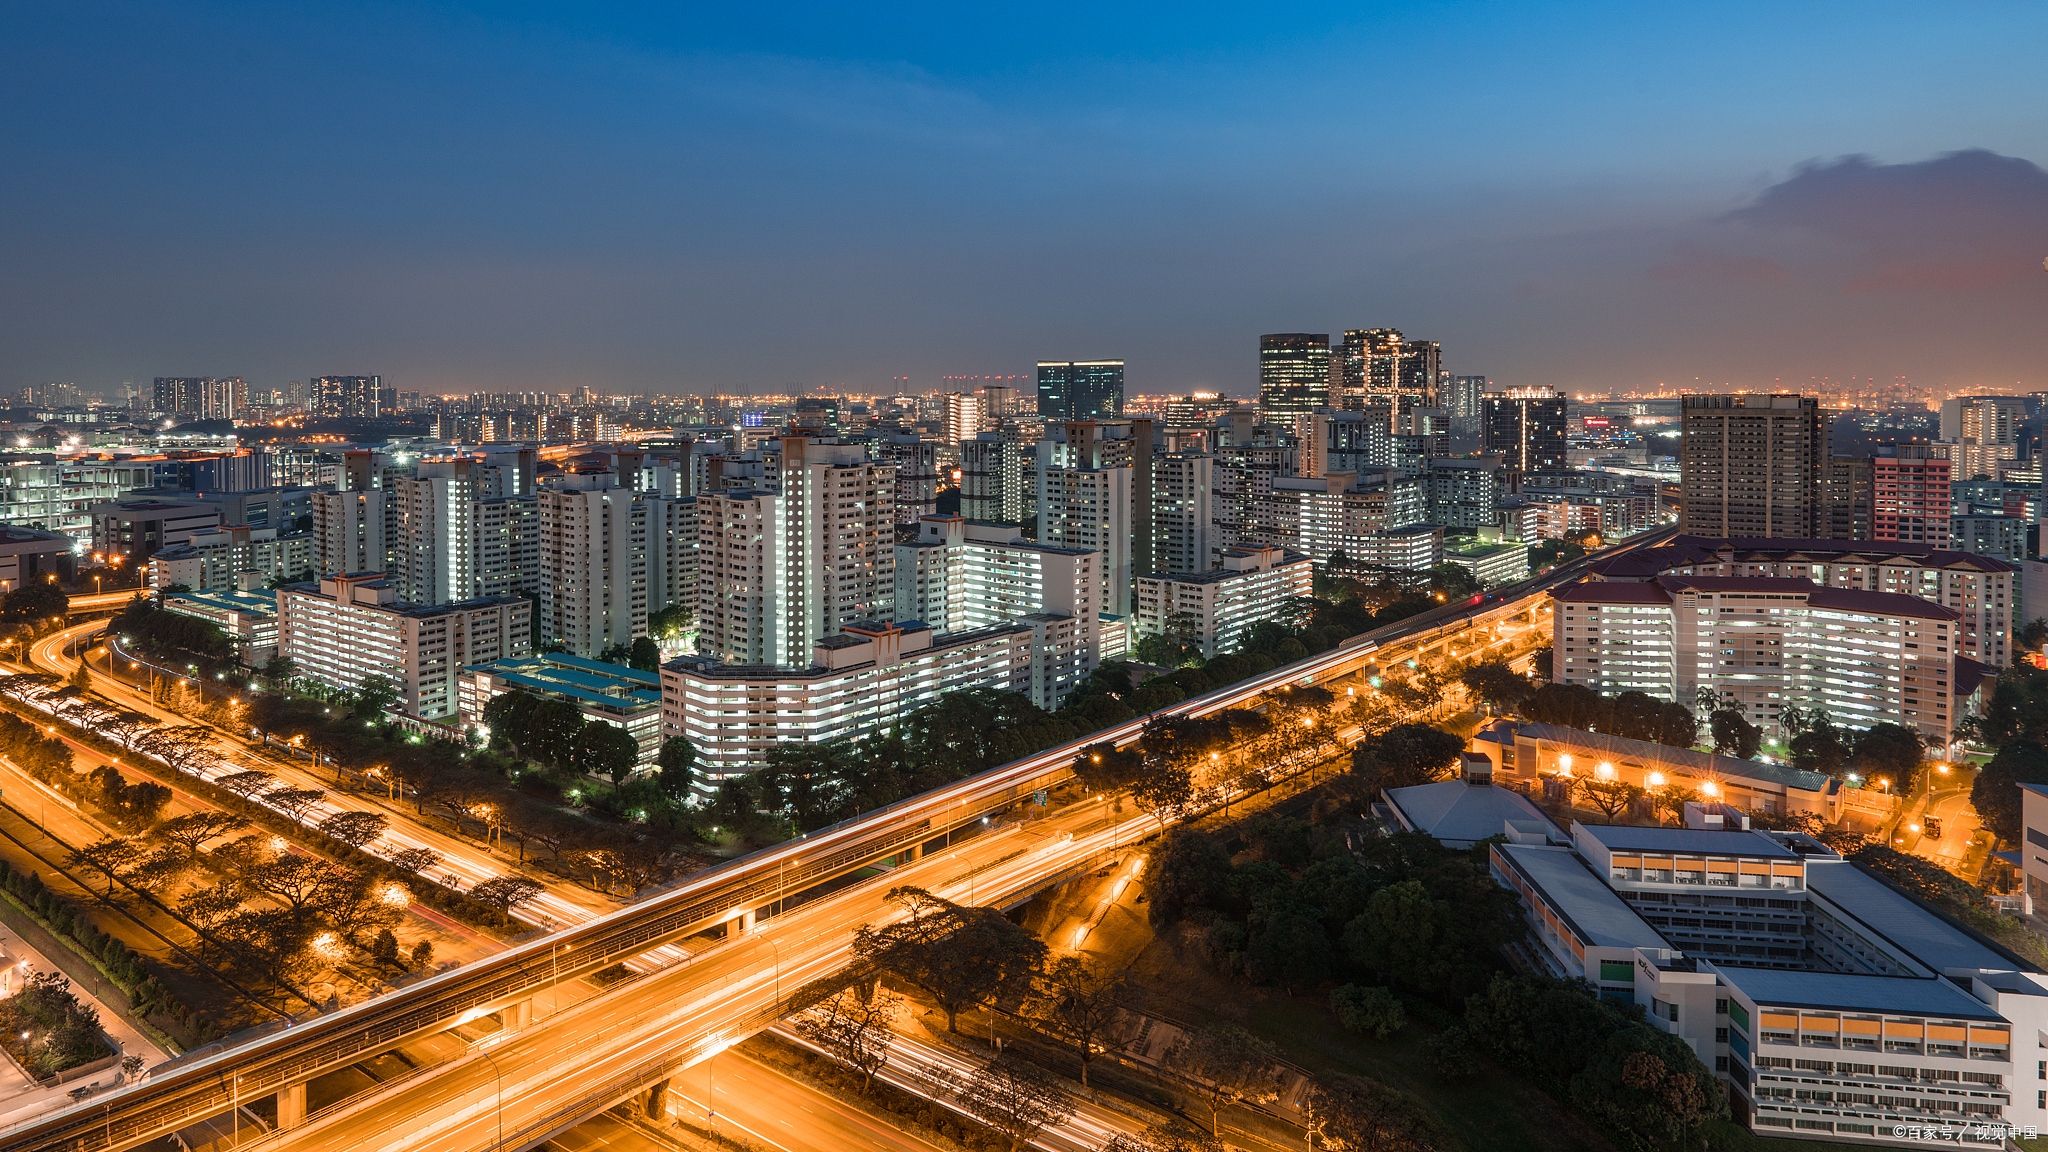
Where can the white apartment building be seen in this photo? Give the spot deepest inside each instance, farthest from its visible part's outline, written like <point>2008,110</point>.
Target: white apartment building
<point>959,576</point>
<point>1416,548</point>
<point>1830,1005</point>
<point>1089,509</point>
<point>1338,511</point>
<point>233,558</point>
<point>992,476</point>
<point>964,416</point>
<point>917,473</point>
<point>594,557</point>
<point>1983,590</point>
<point>860,682</point>
<point>779,571</point>
<point>672,559</point>
<point>249,618</point>
<point>1761,642</point>
<point>351,531</point>
<point>1183,512</point>
<point>1224,603</point>
<point>353,625</point>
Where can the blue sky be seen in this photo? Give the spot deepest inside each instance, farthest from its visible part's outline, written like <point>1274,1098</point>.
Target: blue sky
<point>738,197</point>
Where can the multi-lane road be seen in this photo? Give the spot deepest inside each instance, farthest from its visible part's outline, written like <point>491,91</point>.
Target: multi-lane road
<point>525,1083</point>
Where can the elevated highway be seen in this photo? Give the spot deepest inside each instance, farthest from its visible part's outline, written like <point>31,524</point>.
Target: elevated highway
<point>533,1077</point>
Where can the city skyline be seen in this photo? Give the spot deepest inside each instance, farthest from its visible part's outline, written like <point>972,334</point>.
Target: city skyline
<point>538,199</point>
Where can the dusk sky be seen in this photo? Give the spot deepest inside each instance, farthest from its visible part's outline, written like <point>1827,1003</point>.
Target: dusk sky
<point>740,197</point>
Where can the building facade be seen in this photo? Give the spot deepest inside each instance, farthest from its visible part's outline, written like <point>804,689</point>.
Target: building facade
<point>1752,465</point>
<point>1081,389</point>
<point>1217,609</point>
<point>1525,426</point>
<point>350,626</point>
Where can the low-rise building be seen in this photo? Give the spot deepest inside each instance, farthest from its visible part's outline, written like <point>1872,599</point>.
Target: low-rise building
<point>1460,813</point>
<point>1830,1005</point>
<point>352,625</point>
<point>1493,563</point>
<point>1217,608</point>
<point>605,693</point>
<point>136,529</point>
<point>28,555</point>
<point>248,617</point>
<point>860,682</point>
<point>1538,759</point>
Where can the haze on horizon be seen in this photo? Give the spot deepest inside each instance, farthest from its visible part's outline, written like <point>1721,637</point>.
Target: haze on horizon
<point>706,198</point>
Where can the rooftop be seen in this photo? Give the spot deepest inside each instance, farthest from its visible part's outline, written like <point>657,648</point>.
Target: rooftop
<point>263,602</point>
<point>1588,906</point>
<point>1620,838</point>
<point>1462,814</point>
<point>1610,592</point>
<point>1928,936</point>
<point>1904,995</point>
<point>577,678</point>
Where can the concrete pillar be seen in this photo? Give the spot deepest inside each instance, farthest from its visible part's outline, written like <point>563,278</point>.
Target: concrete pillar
<point>913,853</point>
<point>516,1015</point>
<point>743,923</point>
<point>657,1101</point>
<point>291,1107</point>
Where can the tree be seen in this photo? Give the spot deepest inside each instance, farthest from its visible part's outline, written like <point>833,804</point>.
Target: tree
<point>413,861</point>
<point>376,695</point>
<point>192,830</point>
<point>1161,1138</point>
<point>1996,794</point>
<point>35,604</point>
<point>1734,735</point>
<point>355,829</point>
<point>959,956</point>
<point>506,716</point>
<point>854,1025</point>
<point>1819,746</point>
<point>1611,797</point>
<point>109,856</point>
<point>247,785</point>
<point>675,766</point>
<point>552,730</point>
<point>1496,683</point>
<point>646,654</point>
<point>1893,752</point>
<point>1083,1005</point>
<point>1671,800</point>
<point>1374,1010</point>
<point>423,953</point>
<point>507,892</point>
<point>1225,1065</point>
<point>280,671</point>
<point>294,802</point>
<point>605,750</point>
<point>1017,1099</point>
<point>1189,870</point>
<point>1290,949</point>
<point>1163,787</point>
<point>1105,767</point>
<point>80,678</point>
<point>1352,1112</point>
<point>1404,755</point>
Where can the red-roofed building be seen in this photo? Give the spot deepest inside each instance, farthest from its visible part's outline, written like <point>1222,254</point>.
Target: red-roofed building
<point>1984,590</point>
<point>1761,642</point>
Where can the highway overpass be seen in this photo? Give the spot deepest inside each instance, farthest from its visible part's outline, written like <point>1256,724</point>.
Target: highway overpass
<point>544,1071</point>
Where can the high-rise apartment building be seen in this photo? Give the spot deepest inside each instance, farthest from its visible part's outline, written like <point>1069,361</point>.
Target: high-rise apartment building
<point>1982,419</point>
<point>1910,496</point>
<point>1752,465</point>
<point>594,561</point>
<point>1461,397</point>
<point>354,397</point>
<point>1183,512</point>
<point>992,477</point>
<point>1846,498</point>
<point>352,626</point>
<point>964,416</point>
<point>781,569</point>
<point>1294,375</point>
<point>1526,427</point>
<point>917,473</point>
<point>1094,491</point>
<point>1081,389</point>
<point>207,397</point>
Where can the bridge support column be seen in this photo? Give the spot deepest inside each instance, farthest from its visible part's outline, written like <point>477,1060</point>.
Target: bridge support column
<point>291,1107</point>
<point>657,1101</point>
<point>743,923</point>
<point>913,853</point>
<point>516,1015</point>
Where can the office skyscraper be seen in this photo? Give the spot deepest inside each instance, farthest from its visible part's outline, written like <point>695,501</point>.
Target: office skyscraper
<point>207,397</point>
<point>1526,426</point>
<point>1461,397</point>
<point>1081,389</point>
<point>1379,362</point>
<point>1753,466</point>
<point>1294,375</point>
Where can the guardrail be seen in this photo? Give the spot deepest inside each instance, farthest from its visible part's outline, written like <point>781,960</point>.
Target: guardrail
<point>132,1115</point>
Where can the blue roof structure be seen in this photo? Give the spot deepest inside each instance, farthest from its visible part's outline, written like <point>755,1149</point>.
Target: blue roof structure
<point>1836,991</point>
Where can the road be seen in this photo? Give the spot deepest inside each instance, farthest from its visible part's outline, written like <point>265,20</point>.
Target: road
<point>757,1101</point>
<point>561,903</point>
<point>579,1061</point>
<point>1962,845</point>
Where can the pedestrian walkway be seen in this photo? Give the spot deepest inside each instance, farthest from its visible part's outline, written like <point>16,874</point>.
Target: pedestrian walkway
<point>20,1097</point>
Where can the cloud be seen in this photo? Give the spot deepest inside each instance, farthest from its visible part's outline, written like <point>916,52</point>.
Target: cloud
<point>1960,222</point>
